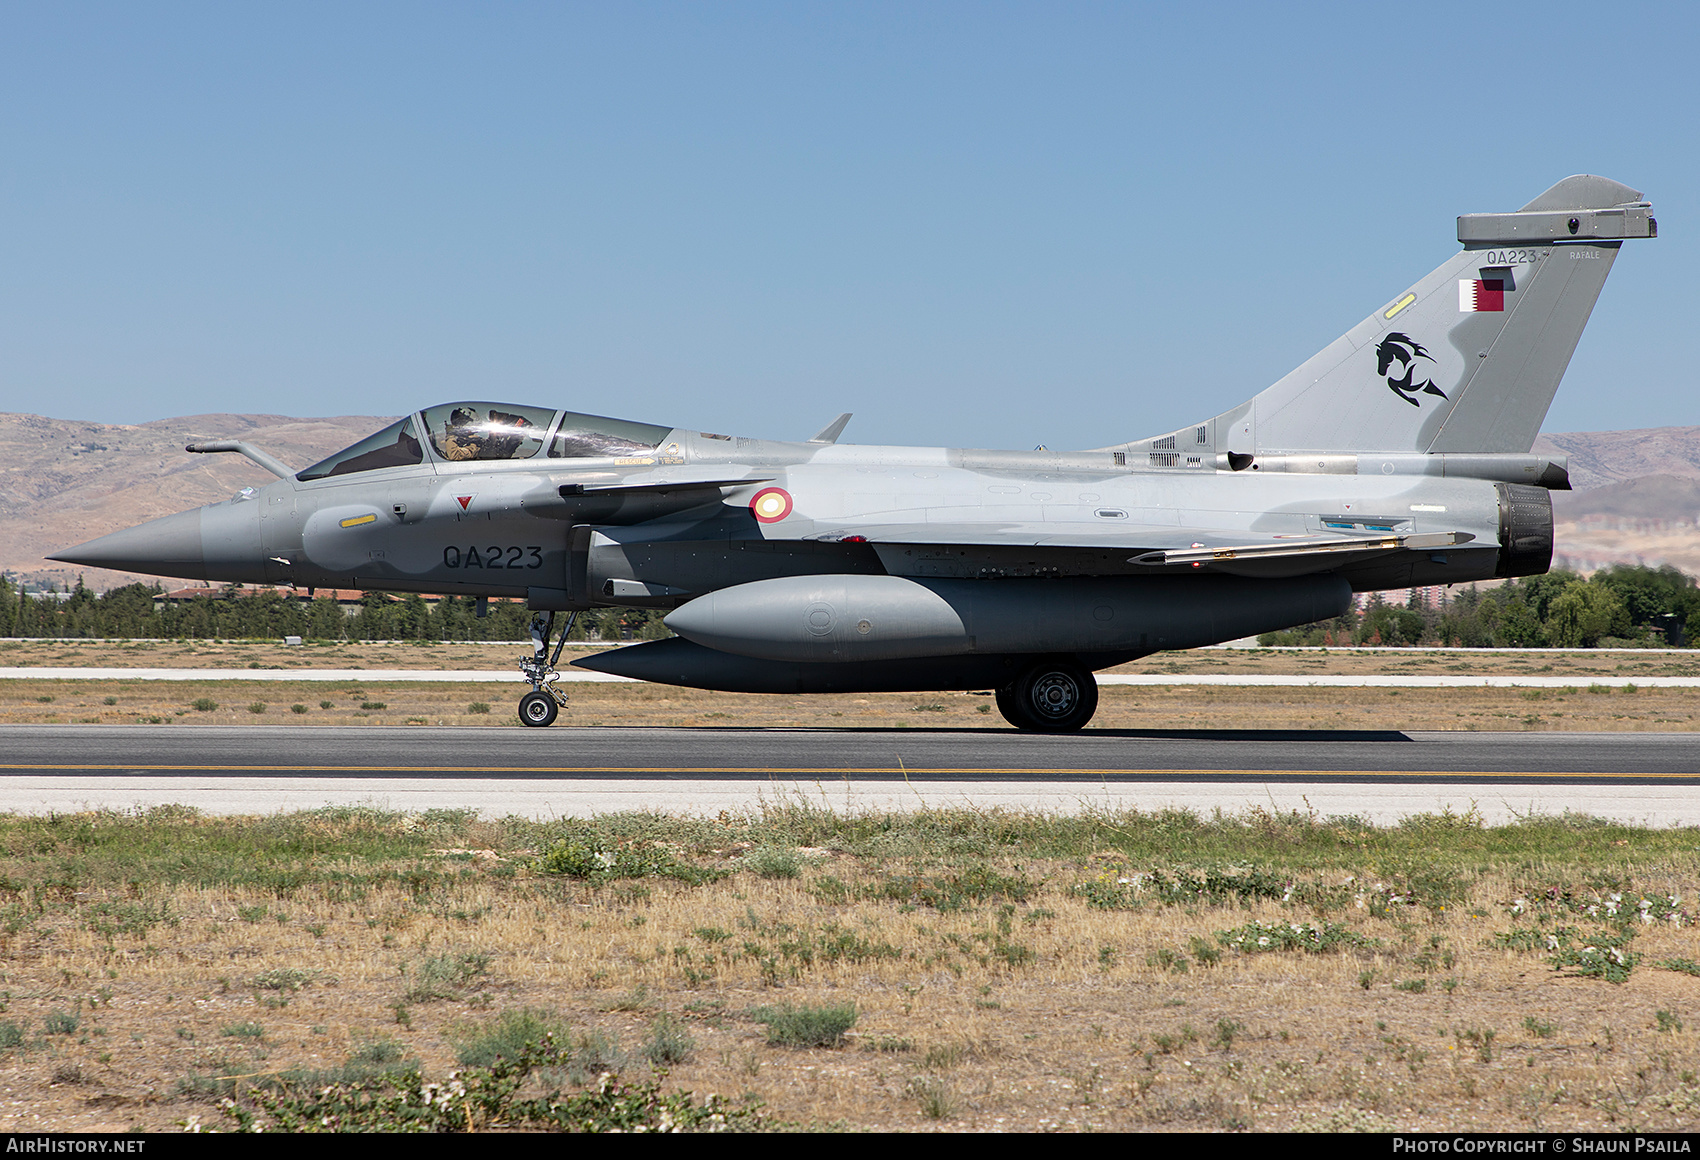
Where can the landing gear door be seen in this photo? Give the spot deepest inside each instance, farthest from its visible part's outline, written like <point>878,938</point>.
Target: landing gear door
<point>569,592</point>
<point>578,565</point>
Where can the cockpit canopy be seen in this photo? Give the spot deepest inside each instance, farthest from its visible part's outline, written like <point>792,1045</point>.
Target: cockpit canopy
<point>478,432</point>
<point>485,432</point>
<point>394,446</point>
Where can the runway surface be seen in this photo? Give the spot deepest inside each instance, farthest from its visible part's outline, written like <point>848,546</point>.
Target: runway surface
<point>1379,776</point>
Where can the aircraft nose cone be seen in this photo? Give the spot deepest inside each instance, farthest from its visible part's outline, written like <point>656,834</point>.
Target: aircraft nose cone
<point>168,546</point>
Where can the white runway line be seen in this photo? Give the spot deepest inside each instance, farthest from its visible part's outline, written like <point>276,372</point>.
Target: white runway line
<point>499,676</point>
<point>1380,804</point>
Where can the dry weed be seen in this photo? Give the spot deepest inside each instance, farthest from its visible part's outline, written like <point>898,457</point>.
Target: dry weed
<point>998,980</point>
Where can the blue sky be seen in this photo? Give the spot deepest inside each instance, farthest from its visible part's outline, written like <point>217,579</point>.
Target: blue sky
<point>982,224</point>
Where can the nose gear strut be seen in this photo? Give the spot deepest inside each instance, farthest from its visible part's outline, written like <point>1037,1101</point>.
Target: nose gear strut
<point>546,699</point>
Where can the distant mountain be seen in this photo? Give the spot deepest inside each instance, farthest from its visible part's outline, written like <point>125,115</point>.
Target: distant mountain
<point>1637,497</point>
<point>1650,497</point>
<point>1598,458</point>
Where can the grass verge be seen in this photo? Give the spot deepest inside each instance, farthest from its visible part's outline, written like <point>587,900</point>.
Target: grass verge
<point>958,969</point>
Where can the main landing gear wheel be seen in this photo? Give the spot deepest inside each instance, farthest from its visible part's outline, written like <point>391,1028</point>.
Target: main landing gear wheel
<point>538,709</point>
<point>1050,697</point>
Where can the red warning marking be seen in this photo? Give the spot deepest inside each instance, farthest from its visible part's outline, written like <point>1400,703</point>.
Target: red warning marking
<point>463,500</point>
<point>771,504</point>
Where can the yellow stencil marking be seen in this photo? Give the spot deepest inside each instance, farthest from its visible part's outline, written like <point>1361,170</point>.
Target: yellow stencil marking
<point>1399,305</point>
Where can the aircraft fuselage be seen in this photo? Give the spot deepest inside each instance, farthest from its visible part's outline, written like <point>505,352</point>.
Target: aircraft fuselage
<point>505,529</point>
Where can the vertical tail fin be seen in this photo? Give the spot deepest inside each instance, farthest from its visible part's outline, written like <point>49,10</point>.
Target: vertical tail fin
<point>1465,361</point>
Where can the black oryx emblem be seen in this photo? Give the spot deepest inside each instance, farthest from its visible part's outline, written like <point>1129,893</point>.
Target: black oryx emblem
<point>1404,350</point>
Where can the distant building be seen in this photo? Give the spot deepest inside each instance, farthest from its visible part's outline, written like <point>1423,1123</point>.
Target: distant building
<point>347,598</point>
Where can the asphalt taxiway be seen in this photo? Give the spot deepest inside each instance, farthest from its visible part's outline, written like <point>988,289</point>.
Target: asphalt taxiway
<point>1379,776</point>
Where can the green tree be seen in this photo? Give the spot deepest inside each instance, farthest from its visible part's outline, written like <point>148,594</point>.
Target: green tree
<point>1518,626</point>
<point>1583,613</point>
<point>325,620</point>
<point>1385,624</point>
<point>412,619</point>
<point>375,620</point>
<point>1539,591</point>
<point>8,607</point>
<point>1652,595</point>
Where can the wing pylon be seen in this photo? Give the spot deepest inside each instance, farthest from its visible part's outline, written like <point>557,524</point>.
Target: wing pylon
<point>1420,541</point>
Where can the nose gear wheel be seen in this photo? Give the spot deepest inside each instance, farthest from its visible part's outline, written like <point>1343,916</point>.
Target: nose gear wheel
<point>538,709</point>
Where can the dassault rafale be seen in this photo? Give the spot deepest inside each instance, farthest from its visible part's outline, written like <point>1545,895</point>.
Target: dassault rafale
<point>1398,456</point>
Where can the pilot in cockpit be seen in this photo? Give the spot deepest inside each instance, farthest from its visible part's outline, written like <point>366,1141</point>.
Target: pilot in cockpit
<point>462,441</point>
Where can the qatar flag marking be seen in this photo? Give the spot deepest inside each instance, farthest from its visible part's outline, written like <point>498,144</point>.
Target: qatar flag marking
<point>1481,295</point>
<point>771,504</point>
<point>463,500</point>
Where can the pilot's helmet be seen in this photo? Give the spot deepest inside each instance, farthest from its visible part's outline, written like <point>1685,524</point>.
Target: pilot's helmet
<point>463,417</point>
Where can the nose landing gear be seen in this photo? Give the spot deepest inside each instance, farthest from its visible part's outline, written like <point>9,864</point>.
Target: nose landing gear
<point>543,704</point>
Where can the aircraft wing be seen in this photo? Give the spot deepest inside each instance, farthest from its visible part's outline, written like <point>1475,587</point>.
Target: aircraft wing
<point>1202,553</point>
<point>1146,544</point>
<point>1159,546</point>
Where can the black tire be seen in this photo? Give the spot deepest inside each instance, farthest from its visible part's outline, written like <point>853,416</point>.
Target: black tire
<point>538,710</point>
<point>1050,697</point>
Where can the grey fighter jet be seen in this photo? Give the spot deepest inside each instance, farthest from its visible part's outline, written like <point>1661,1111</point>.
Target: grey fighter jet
<point>1400,455</point>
